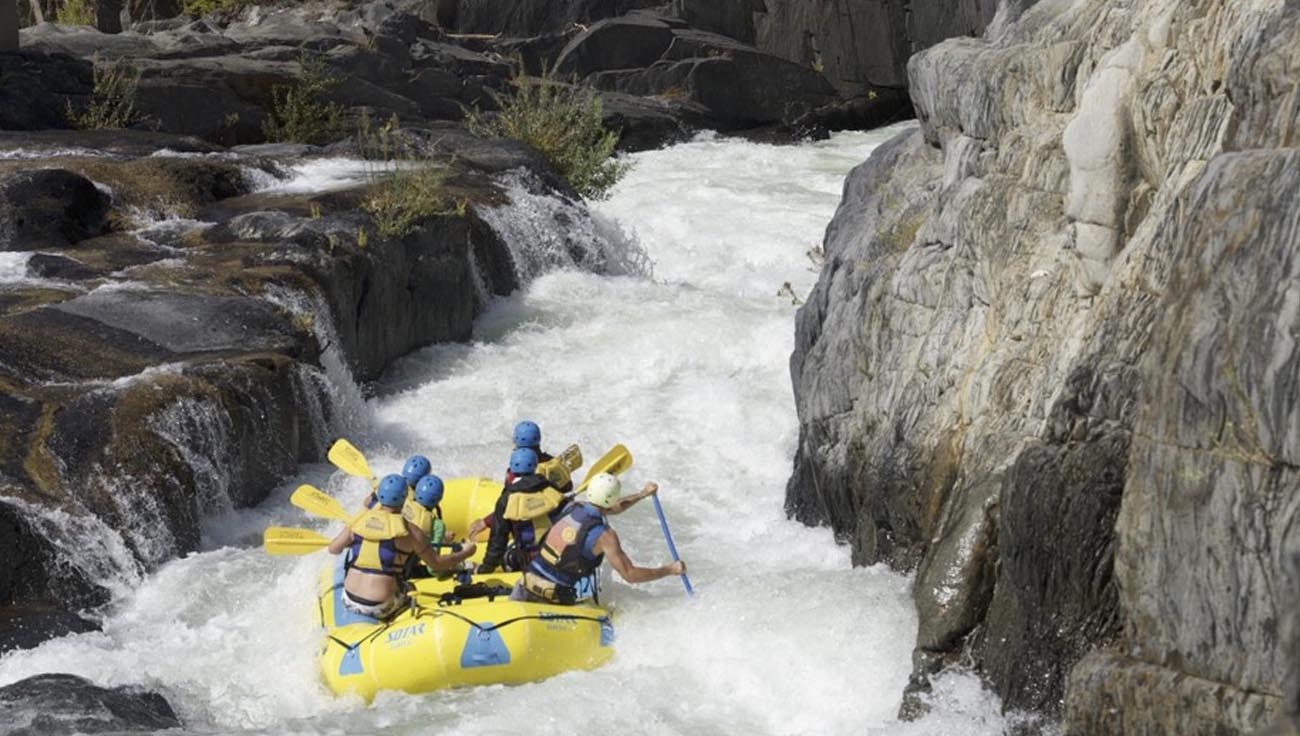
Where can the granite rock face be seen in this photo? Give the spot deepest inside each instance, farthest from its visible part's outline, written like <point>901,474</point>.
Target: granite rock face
<point>858,44</point>
<point>1051,362</point>
<point>54,705</point>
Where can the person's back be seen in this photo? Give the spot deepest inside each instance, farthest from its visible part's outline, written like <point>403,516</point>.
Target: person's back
<point>524,512</point>
<point>379,541</point>
<point>564,570</point>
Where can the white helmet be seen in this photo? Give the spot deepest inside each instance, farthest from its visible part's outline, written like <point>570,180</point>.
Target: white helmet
<point>604,490</point>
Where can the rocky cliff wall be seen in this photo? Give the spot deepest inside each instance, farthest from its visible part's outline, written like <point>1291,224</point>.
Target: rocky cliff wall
<point>858,44</point>
<point>1051,362</point>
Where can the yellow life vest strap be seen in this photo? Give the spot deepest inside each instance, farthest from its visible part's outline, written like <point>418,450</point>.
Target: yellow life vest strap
<point>418,515</point>
<point>378,525</point>
<point>525,506</point>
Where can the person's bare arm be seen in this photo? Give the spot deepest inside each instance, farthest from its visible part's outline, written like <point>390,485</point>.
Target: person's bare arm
<point>627,502</point>
<point>609,545</point>
<point>431,557</point>
<point>341,541</point>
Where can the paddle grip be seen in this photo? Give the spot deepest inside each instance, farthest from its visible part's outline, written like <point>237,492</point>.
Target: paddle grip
<point>668,537</point>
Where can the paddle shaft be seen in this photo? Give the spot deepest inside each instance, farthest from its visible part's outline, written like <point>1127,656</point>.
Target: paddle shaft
<point>294,541</point>
<point>668,537</point>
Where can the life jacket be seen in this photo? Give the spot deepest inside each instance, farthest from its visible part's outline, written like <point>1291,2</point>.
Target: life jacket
<point>374,547</point>
<point>418,515</point>
<point>532,504</point>
<point>566,555</point>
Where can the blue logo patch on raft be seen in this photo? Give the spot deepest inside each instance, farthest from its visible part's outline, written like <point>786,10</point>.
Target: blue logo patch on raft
<point>484,648</point>
<point>351,662</point>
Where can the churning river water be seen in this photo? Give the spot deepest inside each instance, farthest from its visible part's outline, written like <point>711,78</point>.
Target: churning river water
<point>685,362</point>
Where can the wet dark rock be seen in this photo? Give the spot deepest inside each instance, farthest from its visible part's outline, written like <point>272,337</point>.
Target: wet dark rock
<point>49,208</point>
<point>185,323</point>
<point>29,626</point>
<point>646,123</point>
<point>633,42</point>
<point>1054,598</point>
<point>48,344</point>
<point>51,266</point>
<point>37,86</point>
<point>57,704</point>
<point>738,85</point>
<point>29,569</point>
<point>523,18</point>
<point>733,18</point>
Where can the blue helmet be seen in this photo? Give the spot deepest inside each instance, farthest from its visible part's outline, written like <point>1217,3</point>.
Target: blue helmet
<point>528,434</point>
<point>416,468</point>
<point>428,492</point>
<point>523,461</point>
<point>392,491</point>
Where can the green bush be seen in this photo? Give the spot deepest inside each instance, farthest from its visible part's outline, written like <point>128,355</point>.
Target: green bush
<point>406,186</point>
<point>112,101</point>
<point>208,7</point>
<point>299,113</point>
<point>564,122</point>
<point>76,13</point>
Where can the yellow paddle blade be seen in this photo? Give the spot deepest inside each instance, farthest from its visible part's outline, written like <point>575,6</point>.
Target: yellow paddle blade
<point>348,458</point>
<point>315,501</point>
<point>571,458</point>
<point>617,460</point>
<point>287,540</point>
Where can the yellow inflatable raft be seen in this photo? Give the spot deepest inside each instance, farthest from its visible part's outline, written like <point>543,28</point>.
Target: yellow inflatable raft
<point>455,634</point>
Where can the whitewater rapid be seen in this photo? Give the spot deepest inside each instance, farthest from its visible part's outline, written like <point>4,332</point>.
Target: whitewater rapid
<point>687,366</point>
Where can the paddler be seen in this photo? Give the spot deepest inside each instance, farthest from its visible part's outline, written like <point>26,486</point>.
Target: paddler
<point>566,565</point>
<point>379,542</point>
<point>523,512</point>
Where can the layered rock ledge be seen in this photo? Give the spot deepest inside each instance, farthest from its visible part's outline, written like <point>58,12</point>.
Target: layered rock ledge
<point>1051,363</point>
<point>158,373</point>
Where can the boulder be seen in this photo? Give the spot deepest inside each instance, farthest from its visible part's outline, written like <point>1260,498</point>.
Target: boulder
<point>185,323</point>
<point>737,85</point>
<point>49,208</point>
<point>59,704</point>
<point>37,87</point>
<point>525,18</point>
<point>732,18</point>
<point>32,624</point>
<point>51,266</point>
<point>632,42</point>
<point>645,123</point>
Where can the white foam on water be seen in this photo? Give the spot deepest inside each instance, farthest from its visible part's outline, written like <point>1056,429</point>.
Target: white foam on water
<point>13,266</point>
<point>23,154</point>
<point>318,175</point>
<point>690,371</point>
<point>84,545</point>
<point>546,232</point>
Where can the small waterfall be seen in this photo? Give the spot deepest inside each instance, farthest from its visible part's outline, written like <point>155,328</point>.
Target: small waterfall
<point>85,546</point>
<point>348,405</point>
<point>199,430</point>
<point>143,517</point>
<point>545,232</point>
